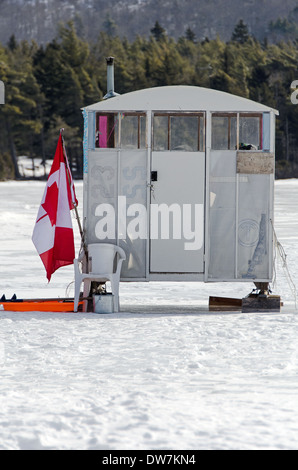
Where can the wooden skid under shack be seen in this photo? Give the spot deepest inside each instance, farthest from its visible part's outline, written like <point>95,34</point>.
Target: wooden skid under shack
<point>251,303</point>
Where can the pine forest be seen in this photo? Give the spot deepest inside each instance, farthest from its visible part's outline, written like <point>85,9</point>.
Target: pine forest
<point>47,85</point>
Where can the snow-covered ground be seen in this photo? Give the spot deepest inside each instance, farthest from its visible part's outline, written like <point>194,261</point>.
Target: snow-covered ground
<point>163,374</point>
<point>33,168</point>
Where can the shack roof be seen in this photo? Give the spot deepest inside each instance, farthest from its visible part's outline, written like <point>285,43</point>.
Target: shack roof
<point>179,98</point>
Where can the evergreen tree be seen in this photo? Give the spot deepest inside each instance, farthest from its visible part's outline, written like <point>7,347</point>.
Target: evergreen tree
<point>190,35</point>
<point>240,33</point>
<point>110,26</point>
<point>158,31</point>
<point>12,43</point>
<point>20,114</point>
<point>63,72</point>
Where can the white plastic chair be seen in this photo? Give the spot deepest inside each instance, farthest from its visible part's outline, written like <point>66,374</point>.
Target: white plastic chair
<point>101,257</point>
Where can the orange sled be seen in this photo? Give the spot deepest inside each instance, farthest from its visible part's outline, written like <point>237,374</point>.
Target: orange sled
<point>39,305</point>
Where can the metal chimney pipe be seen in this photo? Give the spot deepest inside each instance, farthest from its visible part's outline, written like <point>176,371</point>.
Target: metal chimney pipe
<point>110,79</point>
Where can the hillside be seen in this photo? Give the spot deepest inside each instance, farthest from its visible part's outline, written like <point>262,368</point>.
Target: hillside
<point>35,73</point>
<point>38,19</point>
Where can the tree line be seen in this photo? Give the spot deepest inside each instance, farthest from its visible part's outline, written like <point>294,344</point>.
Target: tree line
<point>46,86</point>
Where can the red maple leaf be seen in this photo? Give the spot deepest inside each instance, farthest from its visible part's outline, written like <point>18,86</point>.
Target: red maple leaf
<point>51,202</point>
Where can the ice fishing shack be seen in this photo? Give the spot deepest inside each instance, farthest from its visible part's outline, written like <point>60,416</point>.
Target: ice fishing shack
<point>182,179</point>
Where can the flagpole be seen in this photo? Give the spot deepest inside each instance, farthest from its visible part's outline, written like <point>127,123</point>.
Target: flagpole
<point>73,202</point>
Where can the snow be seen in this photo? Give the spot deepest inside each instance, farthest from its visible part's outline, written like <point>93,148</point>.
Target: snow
<point>164,373</point>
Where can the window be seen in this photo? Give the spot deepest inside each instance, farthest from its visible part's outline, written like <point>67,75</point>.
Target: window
<point>224,131</point>
<point>161,133</point>
<point>178,132</point>
<point>229,134</point>
<point>133,131</point>
<point>106,130</point>
<point>250,135</point>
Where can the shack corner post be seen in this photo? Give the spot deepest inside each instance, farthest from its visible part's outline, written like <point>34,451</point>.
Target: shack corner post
<point>2,92</point>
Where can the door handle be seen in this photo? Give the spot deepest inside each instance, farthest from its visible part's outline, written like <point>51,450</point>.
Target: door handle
<point>153,175</point>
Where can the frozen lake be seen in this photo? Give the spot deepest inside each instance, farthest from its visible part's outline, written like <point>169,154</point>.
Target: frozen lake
<point>164,373</point>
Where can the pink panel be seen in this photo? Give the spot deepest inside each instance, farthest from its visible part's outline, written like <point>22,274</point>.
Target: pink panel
<point>102,127</point>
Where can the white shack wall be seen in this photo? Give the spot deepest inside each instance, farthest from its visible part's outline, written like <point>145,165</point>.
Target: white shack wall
<point>117,180</point>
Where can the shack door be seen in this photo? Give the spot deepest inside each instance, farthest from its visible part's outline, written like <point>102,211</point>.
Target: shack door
<point>177,194</point>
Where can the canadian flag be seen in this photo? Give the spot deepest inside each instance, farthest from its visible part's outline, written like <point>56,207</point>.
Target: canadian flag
<point>53,233</point>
